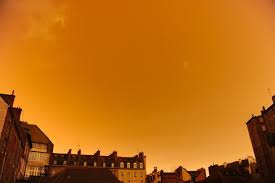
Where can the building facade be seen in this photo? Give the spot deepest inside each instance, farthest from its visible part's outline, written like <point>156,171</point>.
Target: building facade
<point>262,135</point>
<point>126,169</point>
<point>39,155</point>
<point>15,141</point>
<point>180,175</point>
<point>243,167</point>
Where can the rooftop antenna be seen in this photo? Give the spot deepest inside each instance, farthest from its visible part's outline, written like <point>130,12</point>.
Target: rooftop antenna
<point>12,92</point>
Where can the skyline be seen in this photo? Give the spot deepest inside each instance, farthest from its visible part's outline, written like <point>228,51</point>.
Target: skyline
<point>177,80</point>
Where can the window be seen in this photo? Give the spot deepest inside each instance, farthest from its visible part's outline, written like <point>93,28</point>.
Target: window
<point>55,162</point>
<point>135,174</point>
<point>38,156</point>
<point>112,165</point>
<point>104,164</point>
<point>122,174</point>
<point>135,165</point>
<point>64,162</point>
<point>141,174</point>
<point>94,163</point>
<point>263,128</point>
<point>128,165</point>
<point>74,163</point>
<point>141,165</point>
<point>34,171</point>
<point>85,163</point>
<point>39,147</point>
<point>128,174</point>
<point>121,165</point>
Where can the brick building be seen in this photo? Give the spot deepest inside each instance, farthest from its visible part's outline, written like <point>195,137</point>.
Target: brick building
<point>39,156</point>
<point>15,142</point>
<point>180,175</point>
<point>262,135</point>
<point>125,169</point>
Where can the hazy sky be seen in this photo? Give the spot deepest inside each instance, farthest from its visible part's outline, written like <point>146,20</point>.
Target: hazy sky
<point>176,79</point>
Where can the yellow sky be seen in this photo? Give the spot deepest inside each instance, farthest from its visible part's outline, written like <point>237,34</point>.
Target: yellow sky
<point>176,79</point>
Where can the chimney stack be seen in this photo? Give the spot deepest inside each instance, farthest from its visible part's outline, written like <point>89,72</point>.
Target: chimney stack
<point>273,99</point>
<point>79,152</point>
<point>70,152</point>
<point>263,110</point>
<point>17,113</point>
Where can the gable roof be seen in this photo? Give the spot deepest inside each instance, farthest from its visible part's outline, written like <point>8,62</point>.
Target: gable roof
<point>9,99</point>
<point>36,133</point>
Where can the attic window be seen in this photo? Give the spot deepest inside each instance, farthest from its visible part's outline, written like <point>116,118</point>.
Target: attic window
<point>140,165</point>
<point>135,165</point>
<point>128,165</point>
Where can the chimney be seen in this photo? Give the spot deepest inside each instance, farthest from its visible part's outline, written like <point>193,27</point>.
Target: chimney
<point>273,99</point>
<point>97,154</point>
<point>70,152</point>
<point>79,152</point>
<point>155,169</point>
<point>114,155</point>
<point>141,155</point>
<point>263,110</point>
<point>17,114</point>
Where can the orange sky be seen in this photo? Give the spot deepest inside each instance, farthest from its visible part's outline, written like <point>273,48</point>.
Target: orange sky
<point>176,79</point>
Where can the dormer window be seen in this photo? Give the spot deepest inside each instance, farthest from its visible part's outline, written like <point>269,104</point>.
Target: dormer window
<point>64,162</point>
<point>54,162</point>
<point>85,163</point>
<point>95,164</point>
<point>121,165</point>
<point>128,165</point>
<point>112,165</point>
<point>140,165</point>
<point>104,164</point>
<point>135,165</point>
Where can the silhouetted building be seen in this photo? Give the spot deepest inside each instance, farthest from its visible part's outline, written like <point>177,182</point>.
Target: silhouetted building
<point>180,175</point>
<point>39,156</point>
<point>15,141</point>
<point>262,135</point>
<point>244,167</point>
<point>125,169</point>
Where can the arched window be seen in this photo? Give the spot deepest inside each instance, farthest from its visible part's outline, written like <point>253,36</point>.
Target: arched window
<point>121,165</point>
<point>135,165</point>
<point>140,165</point>
<point>128,165</point>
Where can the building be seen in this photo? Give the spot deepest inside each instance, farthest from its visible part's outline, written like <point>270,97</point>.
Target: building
<point>245,167</point>
<point>39,156</point>
<point>262,135</point>
<point>125,169</point>
<point>180,175</point>
<point>15,142</point>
